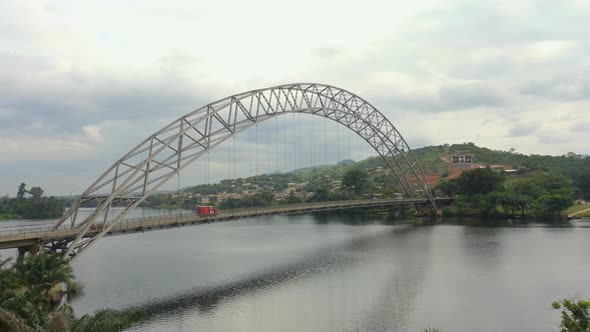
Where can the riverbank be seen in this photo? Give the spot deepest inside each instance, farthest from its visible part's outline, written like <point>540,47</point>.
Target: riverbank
<point>455,211</point>
<point>578,211</point>
<point>10,216</point>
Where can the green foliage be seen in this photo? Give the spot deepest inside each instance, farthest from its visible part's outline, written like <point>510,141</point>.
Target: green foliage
<point>292,199</point>
<point>448,188</point>
<point>263,198</point>
<point>25,287</point>
<point>320,195</point>
<point>356,181</point>
<point>33,207</point>
<point>30,295</point>
<point>22,190</point>
<point>575,316</point>
<point>540,195</point>
<point>569,166</point>
<point>479,181</point>
<point>583,185</point>
<point>9,322</point>
<point>538,175</point>
<point>106,320</point>
<point>552,205</point>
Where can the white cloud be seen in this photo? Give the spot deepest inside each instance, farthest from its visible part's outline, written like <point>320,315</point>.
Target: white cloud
<point>93,133</point>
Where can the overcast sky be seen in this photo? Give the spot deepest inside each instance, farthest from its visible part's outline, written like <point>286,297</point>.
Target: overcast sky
<point>82,82</point>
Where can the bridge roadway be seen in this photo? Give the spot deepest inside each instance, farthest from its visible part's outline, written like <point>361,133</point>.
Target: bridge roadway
<point>34,236</point>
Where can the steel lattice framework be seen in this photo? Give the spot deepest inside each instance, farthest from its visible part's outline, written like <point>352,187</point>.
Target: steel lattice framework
<point>160,157</point>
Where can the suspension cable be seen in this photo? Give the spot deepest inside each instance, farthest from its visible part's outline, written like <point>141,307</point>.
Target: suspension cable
<point>249,152</point>
<point>178,190</point>
<point>207,172</point>
<point>337,143</point>
<point>310,134</point>
<point>300,138</point>
<point>257,148</point>
<point>325,133</point>
<point>228,147</point>
<point>276,143</point>
<point>294,140</point>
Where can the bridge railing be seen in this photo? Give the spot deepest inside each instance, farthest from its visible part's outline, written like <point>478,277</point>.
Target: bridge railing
<point>154,221</point>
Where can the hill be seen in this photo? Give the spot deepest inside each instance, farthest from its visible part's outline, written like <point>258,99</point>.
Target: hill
<point>432,159</point>
<point>442,162</point>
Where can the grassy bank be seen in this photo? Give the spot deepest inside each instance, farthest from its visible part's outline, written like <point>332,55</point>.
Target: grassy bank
<point>10,216</point>
<point>576,209</point>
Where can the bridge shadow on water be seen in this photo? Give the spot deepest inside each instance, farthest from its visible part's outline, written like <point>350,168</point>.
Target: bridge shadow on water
<point>328,259</point>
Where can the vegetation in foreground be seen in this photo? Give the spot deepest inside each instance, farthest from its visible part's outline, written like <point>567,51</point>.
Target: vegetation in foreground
<point>575,316</point>
<point>30,204</point>
<point>35,293</point>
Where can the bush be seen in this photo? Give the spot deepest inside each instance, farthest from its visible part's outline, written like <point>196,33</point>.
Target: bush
<point>575,316</point>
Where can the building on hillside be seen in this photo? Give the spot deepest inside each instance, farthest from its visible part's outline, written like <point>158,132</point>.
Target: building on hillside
<point>462,158</point>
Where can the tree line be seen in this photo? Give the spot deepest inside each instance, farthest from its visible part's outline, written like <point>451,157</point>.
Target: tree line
<point>487,192</point>
<point>30,204</point>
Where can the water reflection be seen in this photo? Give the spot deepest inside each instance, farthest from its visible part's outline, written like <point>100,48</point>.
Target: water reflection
<point>400,292</point>
<point>341,272</point>
<point>321,261</point>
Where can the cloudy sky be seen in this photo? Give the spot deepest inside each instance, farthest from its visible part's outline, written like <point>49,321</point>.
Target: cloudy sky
<point>81,82</point>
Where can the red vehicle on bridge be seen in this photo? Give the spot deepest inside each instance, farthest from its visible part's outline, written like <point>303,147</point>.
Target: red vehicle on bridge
<point>206,210</point>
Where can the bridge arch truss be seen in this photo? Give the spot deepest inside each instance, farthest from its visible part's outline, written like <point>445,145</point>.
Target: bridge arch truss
<point>160,157</point>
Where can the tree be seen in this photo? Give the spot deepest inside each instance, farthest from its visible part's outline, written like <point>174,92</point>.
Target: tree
<point>28,304</point>
<point>479,181</point>
<point>265,197</point>
<point>36,193</point>
<point>106,320</point>
<point>22,190</point>
<point>292,199</point>
<point>320,195</point>
<point>583,185</point>
<point>493,200</point>
<point>552,205</point>
<point>575,316</point>
<point>356,180</point>
<point>448,188</point>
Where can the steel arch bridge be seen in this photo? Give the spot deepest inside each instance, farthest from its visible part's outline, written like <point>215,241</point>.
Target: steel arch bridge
<point>160,157</point>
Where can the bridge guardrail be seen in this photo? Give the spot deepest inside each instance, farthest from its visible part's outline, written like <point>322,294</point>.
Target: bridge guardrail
<point>154,221</point>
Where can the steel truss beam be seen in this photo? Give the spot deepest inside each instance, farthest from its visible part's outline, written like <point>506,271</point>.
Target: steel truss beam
<point>160,157</point>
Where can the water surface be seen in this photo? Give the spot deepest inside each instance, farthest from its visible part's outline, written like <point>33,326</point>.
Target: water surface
<point>339,272</point>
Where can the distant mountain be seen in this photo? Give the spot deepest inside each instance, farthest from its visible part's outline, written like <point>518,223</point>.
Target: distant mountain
<point>345,162</point>
<point>339,164</point>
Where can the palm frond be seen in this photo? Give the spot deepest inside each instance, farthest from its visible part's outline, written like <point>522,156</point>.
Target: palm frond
<point>9,322</point>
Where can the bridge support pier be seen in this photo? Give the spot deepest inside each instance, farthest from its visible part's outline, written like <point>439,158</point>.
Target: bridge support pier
<point>33,249</point>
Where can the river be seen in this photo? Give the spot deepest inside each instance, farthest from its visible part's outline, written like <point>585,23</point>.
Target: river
<point>339,272</point>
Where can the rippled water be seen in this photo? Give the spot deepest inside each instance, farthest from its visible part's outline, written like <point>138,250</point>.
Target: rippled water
<point>339,272</point>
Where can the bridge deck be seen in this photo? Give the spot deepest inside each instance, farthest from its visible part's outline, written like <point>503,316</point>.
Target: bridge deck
<point>15,239</point>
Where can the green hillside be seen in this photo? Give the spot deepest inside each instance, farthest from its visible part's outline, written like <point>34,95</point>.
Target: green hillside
<point>570,166</point>
<point>379,179</point>
<point>430,158</point>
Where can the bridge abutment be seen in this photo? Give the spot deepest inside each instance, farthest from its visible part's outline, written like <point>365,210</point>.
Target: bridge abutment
<point>32,249</point>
